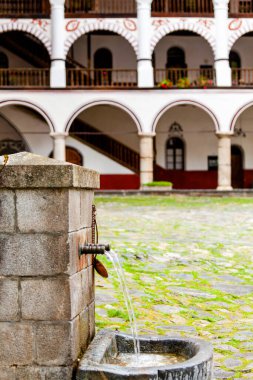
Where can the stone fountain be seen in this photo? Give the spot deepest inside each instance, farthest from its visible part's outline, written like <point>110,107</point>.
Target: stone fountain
<point>47,320</point>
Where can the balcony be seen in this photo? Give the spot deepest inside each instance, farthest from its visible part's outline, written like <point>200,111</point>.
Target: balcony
<point>100,8</point>
<point>121,8</point>
<point>80,78</point>
<point>73,8</point>
<point>24,78</point>
<point>185,78</point>
<point>106,78</point>
<point>24,9</point>
<point>185,8</point>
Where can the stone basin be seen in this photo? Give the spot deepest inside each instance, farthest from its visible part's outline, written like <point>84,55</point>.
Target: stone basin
<point>95,364</point>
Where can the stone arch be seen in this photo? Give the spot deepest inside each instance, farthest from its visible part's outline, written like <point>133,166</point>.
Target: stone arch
<point>244,29</point>
<point>32,106</point>
<point>185,102</point>
<point>109,26</point>
<point>183,25</point>
<point>238,114</point>
<point>27,28</point>
<point>6,121</point>
<point>104,102</point>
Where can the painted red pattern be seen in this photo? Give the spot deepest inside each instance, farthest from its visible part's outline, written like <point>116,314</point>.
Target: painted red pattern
<point>41,23</point>
<point>160,22</point>
<point>130,24</point>
<point>235,24</point>
<point>206,23</point>
<point>72,25</point>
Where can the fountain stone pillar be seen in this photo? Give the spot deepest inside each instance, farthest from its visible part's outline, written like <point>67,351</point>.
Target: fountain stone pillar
<point>46,290</point>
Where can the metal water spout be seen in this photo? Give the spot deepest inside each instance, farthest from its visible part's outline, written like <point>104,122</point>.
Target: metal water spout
<point>94,248</point>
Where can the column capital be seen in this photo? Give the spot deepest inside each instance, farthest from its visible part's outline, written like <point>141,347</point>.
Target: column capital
<point>144,3</point>
<point>146,134</point>
<point>220,3</point>
<point>58,3</point>
<point>224,134</point>
<point>59,135</point>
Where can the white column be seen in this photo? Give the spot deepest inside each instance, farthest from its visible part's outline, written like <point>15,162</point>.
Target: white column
<point>146,157</point>
<point>58,68</point>
<point>223,71</point>
<point>144,59</point>
<point>224,161</point>
<point>59,145</point>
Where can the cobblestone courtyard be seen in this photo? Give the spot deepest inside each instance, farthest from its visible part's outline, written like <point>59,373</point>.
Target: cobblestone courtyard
<point>189,267</point>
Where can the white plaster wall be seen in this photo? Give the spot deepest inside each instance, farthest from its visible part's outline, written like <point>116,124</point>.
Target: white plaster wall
<point>31,126</point>
<point>114,122</point>
<point>122,52</point>
<point>198,135</point>
<point>97,161</point>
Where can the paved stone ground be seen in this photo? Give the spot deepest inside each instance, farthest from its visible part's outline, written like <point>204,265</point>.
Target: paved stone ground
<point>189,267</point>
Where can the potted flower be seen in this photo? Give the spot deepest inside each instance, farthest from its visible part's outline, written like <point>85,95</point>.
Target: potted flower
<point>204,82</point>
<point>166,83</point>
<point>183,82</point>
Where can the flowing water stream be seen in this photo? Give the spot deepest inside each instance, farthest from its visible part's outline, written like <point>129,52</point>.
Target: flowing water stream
<point>122,280</point>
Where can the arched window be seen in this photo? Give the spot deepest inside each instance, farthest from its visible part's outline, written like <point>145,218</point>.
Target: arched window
<point>175,154</point>
<point>176,58</point>
<point>103,64</point>
<point>234,60</point>
<point>4,61</point>
<point>235,64</point>
<point>73,156</point>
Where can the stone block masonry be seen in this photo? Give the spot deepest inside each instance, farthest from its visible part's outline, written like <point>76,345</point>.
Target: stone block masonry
<point>46,290</point>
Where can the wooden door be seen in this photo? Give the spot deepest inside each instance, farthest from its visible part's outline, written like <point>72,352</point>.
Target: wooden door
<point>236,167</point>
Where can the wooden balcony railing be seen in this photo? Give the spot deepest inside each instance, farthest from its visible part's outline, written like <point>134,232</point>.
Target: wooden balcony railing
<point>103,8</point>
<point>105,144</point>
<point>239,8</point>
<point>182,7</point>
<point>101,78</point>
<point>184,78</point>
<point>24,77</point>
<point>24,8</point>
<point>242,77</point>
